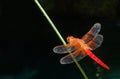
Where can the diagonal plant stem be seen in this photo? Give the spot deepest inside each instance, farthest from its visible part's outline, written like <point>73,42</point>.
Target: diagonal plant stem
<point>60,37</point>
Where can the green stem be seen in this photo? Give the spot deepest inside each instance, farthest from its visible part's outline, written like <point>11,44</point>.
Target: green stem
<point>60,37</point>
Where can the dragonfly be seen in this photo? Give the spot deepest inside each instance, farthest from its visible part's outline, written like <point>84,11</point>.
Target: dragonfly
<point>80,48</point>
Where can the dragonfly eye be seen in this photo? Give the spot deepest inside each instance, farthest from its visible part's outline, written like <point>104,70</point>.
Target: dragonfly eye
<point>70,38</point>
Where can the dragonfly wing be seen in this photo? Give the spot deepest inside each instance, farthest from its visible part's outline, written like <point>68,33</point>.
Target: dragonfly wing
<point>92,32</point>
<point>78,55</point>
<point>95,42</point>
<point>62,49</point>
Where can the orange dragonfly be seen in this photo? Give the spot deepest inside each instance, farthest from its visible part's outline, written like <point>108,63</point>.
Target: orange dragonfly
<point>80,48</point>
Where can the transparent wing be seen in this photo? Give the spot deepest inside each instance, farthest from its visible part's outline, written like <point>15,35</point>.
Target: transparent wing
<point>62,49</point>
<point>92,32</point>
<point>78,55</point>
<point>95,42</point>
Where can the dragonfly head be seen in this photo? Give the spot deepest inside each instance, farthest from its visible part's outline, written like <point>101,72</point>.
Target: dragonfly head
<point>70,38</point>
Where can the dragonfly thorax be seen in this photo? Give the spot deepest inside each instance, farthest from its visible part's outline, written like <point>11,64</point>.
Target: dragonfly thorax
<point>76,42</point>
<point>82,44</point>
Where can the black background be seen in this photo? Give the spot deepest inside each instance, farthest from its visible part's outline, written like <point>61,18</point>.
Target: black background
<point>27,40</point>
